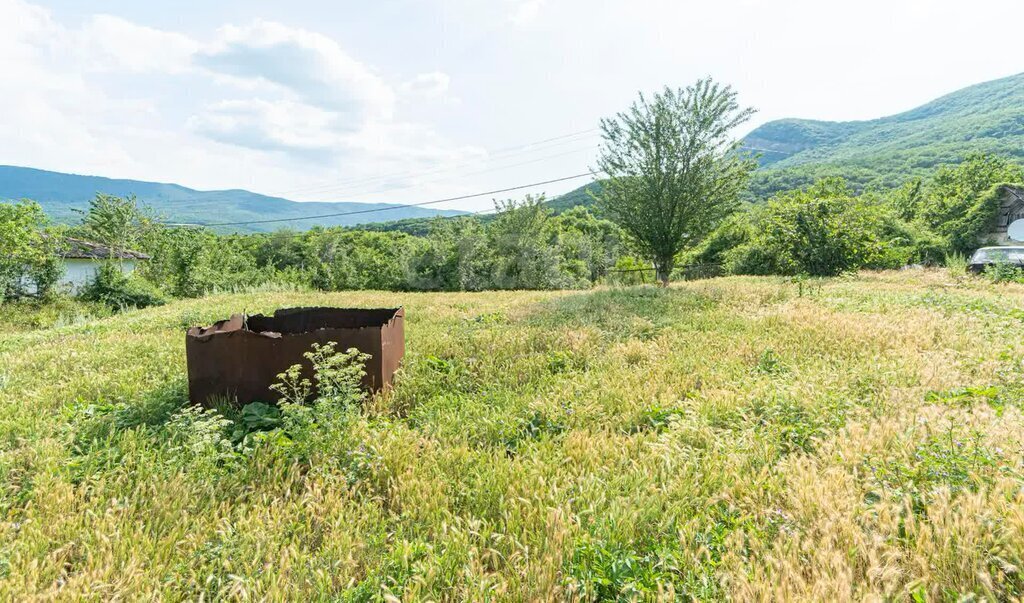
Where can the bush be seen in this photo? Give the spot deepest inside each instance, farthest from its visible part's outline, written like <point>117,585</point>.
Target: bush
<point>358,260</point>
<point>630,270</point>
<point>120,291</point>
<point>453,256</point>
<point>823,231</point>
<point>526,254</point>
<point>733,232</point>
<point>1004,272</point>
<point>956,264</point>
<point>54,311</point>
<point>752,258</point>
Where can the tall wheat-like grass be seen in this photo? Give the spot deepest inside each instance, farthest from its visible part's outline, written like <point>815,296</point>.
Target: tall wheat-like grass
<point>735,438</point>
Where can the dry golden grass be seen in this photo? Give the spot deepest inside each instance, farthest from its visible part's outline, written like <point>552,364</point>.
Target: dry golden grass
<point>723,439</point>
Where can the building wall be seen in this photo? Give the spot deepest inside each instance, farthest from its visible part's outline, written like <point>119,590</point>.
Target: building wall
<point>1011,209</point>
<point>79,272</point>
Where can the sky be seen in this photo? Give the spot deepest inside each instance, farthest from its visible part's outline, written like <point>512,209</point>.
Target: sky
<point>417,100</point>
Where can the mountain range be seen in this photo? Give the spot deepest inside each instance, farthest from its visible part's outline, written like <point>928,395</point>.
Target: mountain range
<point>884,152</point>
<point>987,117</point>
<point>61,194</point>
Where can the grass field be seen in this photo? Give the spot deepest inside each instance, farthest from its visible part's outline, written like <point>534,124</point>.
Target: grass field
<point>744,438</point>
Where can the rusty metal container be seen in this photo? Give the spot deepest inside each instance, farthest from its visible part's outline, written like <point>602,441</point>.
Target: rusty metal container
<point>241,357</point>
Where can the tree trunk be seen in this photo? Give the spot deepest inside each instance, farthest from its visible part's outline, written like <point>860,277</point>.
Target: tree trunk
<point>663,269</point>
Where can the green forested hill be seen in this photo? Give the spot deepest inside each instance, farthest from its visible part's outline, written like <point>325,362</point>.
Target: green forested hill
<point>580,196</point>
<point>987,117</point>
<point>60,194</point>
<point>882,152</point>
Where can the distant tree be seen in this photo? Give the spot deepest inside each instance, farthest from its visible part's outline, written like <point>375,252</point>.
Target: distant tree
<point>359,259</point>
<point>526,254</point>
<point>454,256</point>
<point>117,222</point>
<point>589,245</point>
<point>281,249</point>
<point>963,200</point>
<point>823,230</point>
<point>27,254</point>
<point>673,172</point>
<point>908,198</point>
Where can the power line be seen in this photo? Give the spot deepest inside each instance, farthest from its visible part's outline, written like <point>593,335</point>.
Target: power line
<point>476,173</point>
<point>389,208</point>
<point>492,155</point>
<point>446,178</point>
<point>208,202</point>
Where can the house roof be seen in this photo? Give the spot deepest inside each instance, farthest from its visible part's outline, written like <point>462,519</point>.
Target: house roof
<point>78,249</point>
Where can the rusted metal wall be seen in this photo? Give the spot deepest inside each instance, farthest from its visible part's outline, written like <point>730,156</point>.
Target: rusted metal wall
<point>240,358</point>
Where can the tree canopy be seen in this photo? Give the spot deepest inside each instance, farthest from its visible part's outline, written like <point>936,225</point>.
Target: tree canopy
<point>673,170</point>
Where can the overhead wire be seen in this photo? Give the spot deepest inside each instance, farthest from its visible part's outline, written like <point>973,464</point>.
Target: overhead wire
<point>522,149</point>
<point>381,209</point>
<point>435,181</point>
<point>530,147</point>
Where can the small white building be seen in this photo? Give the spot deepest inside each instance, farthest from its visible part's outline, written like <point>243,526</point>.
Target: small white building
<point>83,258</point>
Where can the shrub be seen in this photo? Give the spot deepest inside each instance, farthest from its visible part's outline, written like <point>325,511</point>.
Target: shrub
<point>120,291</point>
<point>956,264</point>
<point>313,426</point>
<point>732,233</point>
<point>521,239</point>
<point>1004,272</point>
<point>55,311</point>
<point>752,258</point>
<point>630,270</point>
<point>453,256</point>
<point>822,231</point>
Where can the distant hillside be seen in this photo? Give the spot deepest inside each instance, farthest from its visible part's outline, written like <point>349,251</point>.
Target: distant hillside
<point>59,194</point>
<point>987,117</point>
<point>580,196</point>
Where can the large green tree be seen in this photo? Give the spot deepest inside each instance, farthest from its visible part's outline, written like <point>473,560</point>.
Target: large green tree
<point>673,170</point>
<point>28,256</point>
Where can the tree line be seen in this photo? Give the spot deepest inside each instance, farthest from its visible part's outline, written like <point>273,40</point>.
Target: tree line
<point>524,246</point>
<point>672,195</point>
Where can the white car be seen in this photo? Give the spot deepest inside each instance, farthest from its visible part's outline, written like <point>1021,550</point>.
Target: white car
<point>987,256</point>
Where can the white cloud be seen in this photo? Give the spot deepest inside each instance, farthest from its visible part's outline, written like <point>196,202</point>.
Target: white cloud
<point>271,126</point>
<point>526,12</point>
<point>312,100</point>
<point>21,23</point>
<point>414,143</point>
<point>256,105</point>
<point>46,104</point>
<point>311,66</point>
<point>111,43</point>
<point>432,85</point>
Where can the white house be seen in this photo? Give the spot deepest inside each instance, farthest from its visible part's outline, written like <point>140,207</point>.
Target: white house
<point>83,258</point>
